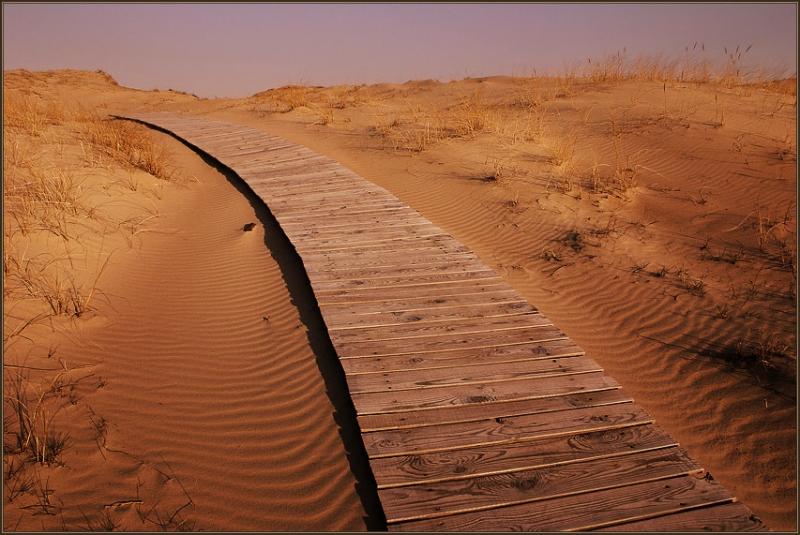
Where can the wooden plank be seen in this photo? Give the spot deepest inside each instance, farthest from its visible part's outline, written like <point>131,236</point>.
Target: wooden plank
<point>354,212</point>
<point>358,241</point>
<point>402,276</point>
<point>465,375</point>
<point>322,234</point>
<point>330,210</point>
<point>393,264</point>
<point>428,502</point>
<point>272,177</point>
<point>406,244</point>
<point>584,512</point>
<point>280,195</point>
<point>357,318</point>
<point>418,250</point>
<point>442,343</point>
<point>350,325</point>
<point>467,303</point>
<point>401,244</point>
<point>500,325</point>
<point>408,280</point>
<point>268,173</point>
<point>397,217</point>
<point>587,397</point>
<point>727,517</point>
<point>429,243</point>
<point>468,395</point>
<point>333,208</point>
<point>463,357</point>
<point>443,253</point>
<point>284,204</point>
<point>317,182</point>
<point>452,437</point>
<point>344,296</point>
<point>406,470</point>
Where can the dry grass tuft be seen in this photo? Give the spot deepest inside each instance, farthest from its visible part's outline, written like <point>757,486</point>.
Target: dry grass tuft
<point>62,166</point>
<point>127,144</point>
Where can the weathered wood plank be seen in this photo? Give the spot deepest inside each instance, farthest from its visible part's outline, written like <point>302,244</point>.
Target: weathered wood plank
<point>428,502</point>
<point>358,272</point>
<point>600,396</point>
<point>467,395</point>
<point>447,342</point>
<point>338,216</point>
<point>501,325</point>
<point>584,512</point>
<point>464,357</point>
<point>321,234</point>
<point>340,219</point>
<point>403,309</point>
<point>337,262</point>
<point>407,280</point>
<point>384,219</point>
<point>419,252</point>
<point>401,243</point>
<point>463,375</point>
<point>355,319</point>
<point>451,437</point>
<point>317,183</point>
<point>490,288</point>
<point>727,517</point>
<point>333,208</point>
<point>367,258</point>
<point>406,470</point>
<point>280,196</point>
<point>391,249</point>
<point>273,167</point>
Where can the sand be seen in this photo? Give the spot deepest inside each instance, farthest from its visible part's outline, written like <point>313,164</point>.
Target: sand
<point>654,223</point>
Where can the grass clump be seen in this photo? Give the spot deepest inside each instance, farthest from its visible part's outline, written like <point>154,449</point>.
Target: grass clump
<point>127,144</point>
<point>73,194</point>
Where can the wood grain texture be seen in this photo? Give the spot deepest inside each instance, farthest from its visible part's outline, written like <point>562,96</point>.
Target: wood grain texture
<point>502,430</point>
<point>472,394</point>
<point>563,347</point>
<point>417,327</point>
<point>427,501</point>
<point>463,375</point>
<point>476,413</point>
<point>727,518</point>
<point>588,511</point>
<point>404,345</point>
<point>587,397</point>
<point>495,459</point>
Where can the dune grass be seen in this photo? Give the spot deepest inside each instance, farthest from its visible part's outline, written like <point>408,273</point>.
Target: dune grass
<point>63,168</point>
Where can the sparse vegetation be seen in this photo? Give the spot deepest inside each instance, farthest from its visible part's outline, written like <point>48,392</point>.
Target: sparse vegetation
<point>63,168</point>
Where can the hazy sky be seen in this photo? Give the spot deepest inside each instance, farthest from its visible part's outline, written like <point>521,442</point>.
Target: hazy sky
<point>239,49</point>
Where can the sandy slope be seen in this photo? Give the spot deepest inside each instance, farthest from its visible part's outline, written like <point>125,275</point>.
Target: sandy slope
<point>681,283</point>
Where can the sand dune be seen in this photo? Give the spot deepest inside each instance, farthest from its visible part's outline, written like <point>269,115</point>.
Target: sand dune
<point>654,224</point>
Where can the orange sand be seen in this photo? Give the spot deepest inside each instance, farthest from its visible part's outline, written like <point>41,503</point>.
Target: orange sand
<point>206,390</point>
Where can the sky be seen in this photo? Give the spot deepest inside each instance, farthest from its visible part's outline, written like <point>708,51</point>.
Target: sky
<point>236,50</point>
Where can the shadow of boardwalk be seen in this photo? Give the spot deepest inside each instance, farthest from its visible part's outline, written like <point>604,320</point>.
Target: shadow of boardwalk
<point>302,296</point>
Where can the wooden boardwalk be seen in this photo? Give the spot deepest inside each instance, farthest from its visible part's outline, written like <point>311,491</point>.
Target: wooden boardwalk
<point>477,413</point>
